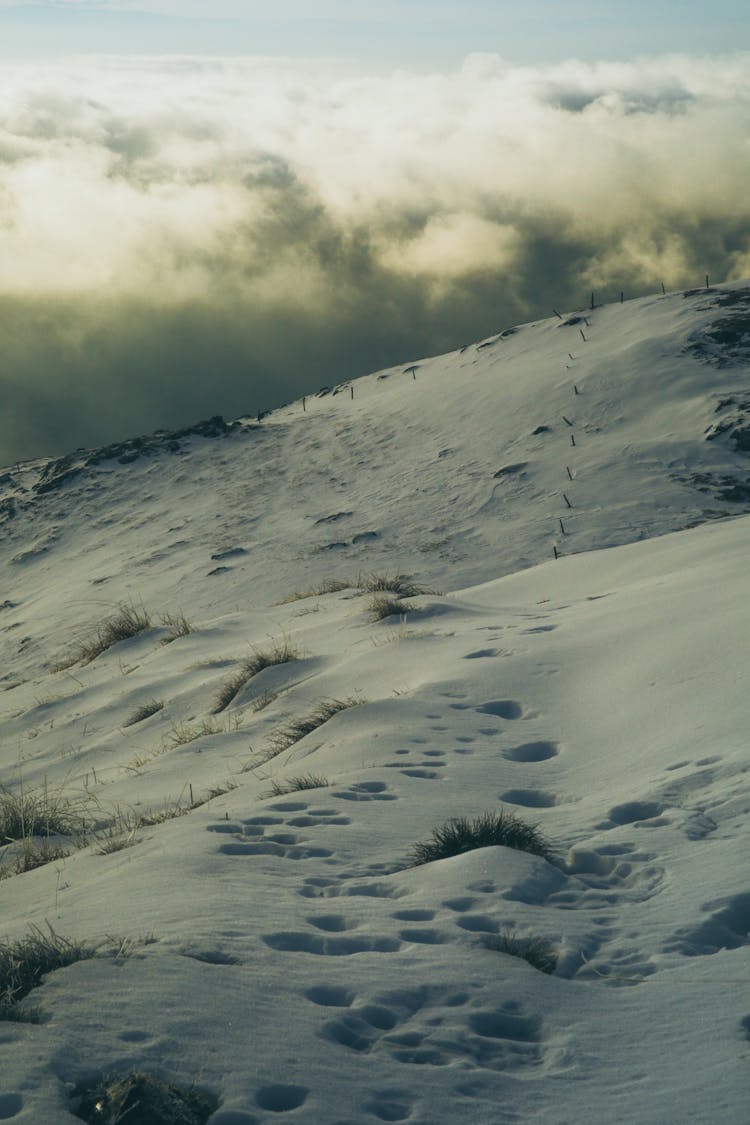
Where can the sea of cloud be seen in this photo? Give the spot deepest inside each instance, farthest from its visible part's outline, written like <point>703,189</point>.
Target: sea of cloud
<point>186,236</point>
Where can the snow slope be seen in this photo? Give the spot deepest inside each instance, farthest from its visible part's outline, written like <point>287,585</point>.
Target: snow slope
<point>296,967</point>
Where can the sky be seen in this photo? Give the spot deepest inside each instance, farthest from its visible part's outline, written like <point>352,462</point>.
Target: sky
<point>405,32</point>
<point>204,210</point>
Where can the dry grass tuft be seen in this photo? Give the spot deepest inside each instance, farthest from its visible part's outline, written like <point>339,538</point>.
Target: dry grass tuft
<point>142,1099</point>
<point>400,585</point>
<point>296,729</point>
<point>37,813</point>
<point>296,784</point>
<point>329,586</point>
<point>283,652</point>
<point>25,962</point>
<point>178,626</point>
<point>381,606</point>
<point>536,951</point>
<point>491,829</point>
<point>182,733</point>
<point>127,622</point>
<point>145,711</point>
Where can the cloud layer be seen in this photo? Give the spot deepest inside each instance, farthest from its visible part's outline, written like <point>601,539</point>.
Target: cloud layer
<point>187,237</point>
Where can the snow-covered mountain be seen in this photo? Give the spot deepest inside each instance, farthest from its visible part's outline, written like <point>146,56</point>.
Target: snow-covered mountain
<point>284,952</point>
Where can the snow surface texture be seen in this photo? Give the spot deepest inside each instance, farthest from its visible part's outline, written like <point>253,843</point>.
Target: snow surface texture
<point>276,949</point>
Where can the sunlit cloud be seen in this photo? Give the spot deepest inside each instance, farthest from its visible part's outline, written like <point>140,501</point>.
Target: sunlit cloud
<point>221,235</point>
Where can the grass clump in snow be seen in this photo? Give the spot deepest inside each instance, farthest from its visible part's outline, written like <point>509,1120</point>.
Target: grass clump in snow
<point>130,820</point>
<point>462,834</point>
<point>25,962</point>
<point>31,826</point>
<point>31,854</point>
<point>329,586</point>
<point>27,814</point>
<point>138,1098</point>
<point>296,784</point>
<point>113,840</point>
<point>127,622</point>
<point>145,711</point>
<point>281,653</point>
<point>381,606</point>
<point>399,585</point>
<point>182,733</point>
<point>536,951</point>
<point>284,737</point>
<point>178,626</point>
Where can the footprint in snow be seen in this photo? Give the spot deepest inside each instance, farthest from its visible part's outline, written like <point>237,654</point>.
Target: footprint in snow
<point>425,1028</point>
<point>502,708</point>
<point>529,798</point>
<point>10,1106</point>
<point>281,1098</point>
<point>727,927</point>
<point>365,791</point>
<point>269,834</point>
<point>333,888</point>
<point>635,812</point>
<point>294,941</point>
<point>391,1105</point>
<point>532,752</point>
<point>605,876</point>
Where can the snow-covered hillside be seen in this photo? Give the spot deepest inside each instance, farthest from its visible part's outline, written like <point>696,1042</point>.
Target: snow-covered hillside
<point>249,889</point>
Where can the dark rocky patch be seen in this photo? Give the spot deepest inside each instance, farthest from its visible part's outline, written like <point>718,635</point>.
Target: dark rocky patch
<point>62,470</point>
<point>725,342</point>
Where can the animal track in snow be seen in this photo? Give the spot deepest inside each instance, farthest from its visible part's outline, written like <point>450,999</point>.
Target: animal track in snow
<point>332,888</point>
<point>211,956</point>
<point>633,812</point>
<point>419,1027</point>
<point>313,820</point>
<point>478,924</point>
<point>331,923</point>
<point>330,996</point>
<point>606,875</point>
<point>503,708</point>
<point>424,936</point>
<point>529,798</point>
<point>275,848</point>
<point>391,1105</point>
<point>532,752</point>
<point>727,927</point>
<point>459,905</point>
<point>265,835</point>
<point>300,941</point>
<point>10,1106</point>
<point>482,654</point>
<point>365,791</point>
<point>281,1098</point>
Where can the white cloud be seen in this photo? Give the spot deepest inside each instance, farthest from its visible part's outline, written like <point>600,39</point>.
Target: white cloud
<point>103,162</point>
<point>289,205</point>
